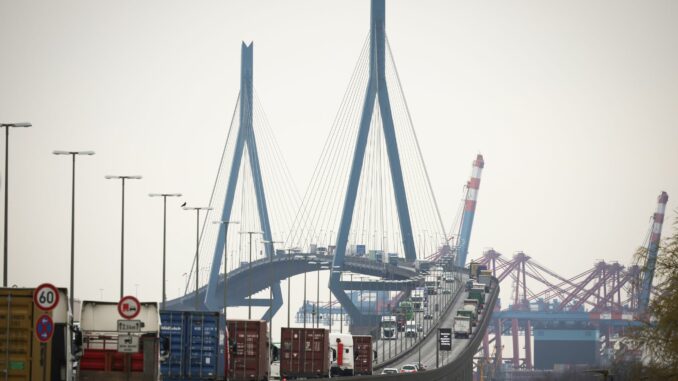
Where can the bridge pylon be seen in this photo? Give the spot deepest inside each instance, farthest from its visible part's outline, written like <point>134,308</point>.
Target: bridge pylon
<point>245,141</point>
<point>377,94</point>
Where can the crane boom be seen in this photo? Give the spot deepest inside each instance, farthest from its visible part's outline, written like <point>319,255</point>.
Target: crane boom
<point>652,250</point>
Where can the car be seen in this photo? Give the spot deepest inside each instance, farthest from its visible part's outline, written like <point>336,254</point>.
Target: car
<point>409,368</point>
<point>447,292</point>
<point>420,367</point>
<point>389,371</point>
<point>428,317</point>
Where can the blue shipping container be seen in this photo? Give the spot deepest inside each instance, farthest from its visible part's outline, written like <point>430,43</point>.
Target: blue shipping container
<point>193,339</point>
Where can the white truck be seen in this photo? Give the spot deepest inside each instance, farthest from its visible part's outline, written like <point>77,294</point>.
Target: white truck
<point>417,297</point>
<point>431,284</point>
<point>389,328</point>
<point>462,327</point>
<point>411,328</point>
<point>347,365</point>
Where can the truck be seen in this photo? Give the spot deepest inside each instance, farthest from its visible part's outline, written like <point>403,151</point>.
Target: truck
<point>364,355</point>
<point>111,353</point>
<point>411,328</point>
<point>485,278</point>
<point>475,268</point>
<point>304,353</point>
<point>20,355</point>
<point>376,255</point>
<point>406,309</point>
<point>342,354</point>
<point>190,340</point>
<point>462,327</point>
<point>388,328</point>
<point>417,297</point>
<point>479,295</point>
<point>248,350</point>
<point>431,283</point>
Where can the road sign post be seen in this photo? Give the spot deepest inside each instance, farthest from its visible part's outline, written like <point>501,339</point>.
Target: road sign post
<point>46,297</point>
<point>129,307</point>
<point>44,328</point>
<point>444,343</point>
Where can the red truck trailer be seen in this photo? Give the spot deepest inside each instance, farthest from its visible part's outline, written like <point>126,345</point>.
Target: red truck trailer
<point>304,353</point>
<point>248,348</point>
<point>362,348</point>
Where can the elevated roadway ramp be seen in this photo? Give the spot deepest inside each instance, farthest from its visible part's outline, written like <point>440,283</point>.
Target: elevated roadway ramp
<point>457,365</point>
<point>261,274</point>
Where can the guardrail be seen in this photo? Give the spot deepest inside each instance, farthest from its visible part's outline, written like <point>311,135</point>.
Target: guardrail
<point>461,368</point>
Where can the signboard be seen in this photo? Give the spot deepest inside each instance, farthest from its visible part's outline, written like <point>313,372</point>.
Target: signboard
<point>445,339</point>
<point>46,297</point>
<point>44,328</point>
<point>128,344</point>
<point>129,325</point>
<point>129,307</point>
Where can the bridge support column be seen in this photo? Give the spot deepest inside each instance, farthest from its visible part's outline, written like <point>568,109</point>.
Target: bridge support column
<point>528,344</point>
<point>497,342</point>
<point>516,345</point>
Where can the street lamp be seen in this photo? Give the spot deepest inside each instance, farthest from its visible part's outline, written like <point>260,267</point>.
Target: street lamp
<point>7,126</point>
<point>317,296</point>
<point>197,249</point>
<point>122,230</point>
<point>225,225</point>
<point>249,279</point>
<point>164,237</point>
<point>73,154</point>
<point>289,279</point>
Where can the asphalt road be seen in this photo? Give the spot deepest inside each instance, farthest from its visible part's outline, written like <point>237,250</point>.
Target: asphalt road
<point>387,349</point>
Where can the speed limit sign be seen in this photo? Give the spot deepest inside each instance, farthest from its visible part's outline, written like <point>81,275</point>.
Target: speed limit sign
<point>46,296</point>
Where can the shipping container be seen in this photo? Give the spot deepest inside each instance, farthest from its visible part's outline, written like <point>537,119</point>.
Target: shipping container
<point>566,346</point>
<point>304,353</point>
<point>248,350</point>
<point>363,355</point>
<point>20,350</point>
<point>478,295</point>
<point>192,339</point>
<point>102,359</point>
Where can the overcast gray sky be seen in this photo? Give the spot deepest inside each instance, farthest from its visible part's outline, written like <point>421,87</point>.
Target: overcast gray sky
<point>574,105</point>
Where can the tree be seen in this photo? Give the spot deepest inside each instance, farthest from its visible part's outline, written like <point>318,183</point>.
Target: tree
<point>658,337</point>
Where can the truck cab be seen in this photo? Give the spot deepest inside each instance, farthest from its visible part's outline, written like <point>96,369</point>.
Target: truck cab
<point>388,328</point>
<point>342,352</point>
<point>411,329</point>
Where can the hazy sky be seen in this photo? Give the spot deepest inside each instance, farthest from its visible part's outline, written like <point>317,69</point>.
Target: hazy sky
<point>574,105</point>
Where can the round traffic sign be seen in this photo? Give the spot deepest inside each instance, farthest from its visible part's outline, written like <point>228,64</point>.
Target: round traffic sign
<point>44,328</point>
<point>46,296</point>
<point>129,307</point>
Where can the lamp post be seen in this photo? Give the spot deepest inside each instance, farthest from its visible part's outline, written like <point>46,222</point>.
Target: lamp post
<point>7,126</point>
<point>249,280</point>
<point>197,250</point>
<point>164,238</point>
<point>73,154</point>
<point>122,230</point>
<point>225,225</point>
<point>317,295</point>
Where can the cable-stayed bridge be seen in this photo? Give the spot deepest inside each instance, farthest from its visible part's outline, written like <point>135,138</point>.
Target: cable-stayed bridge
<point>369,210</point>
